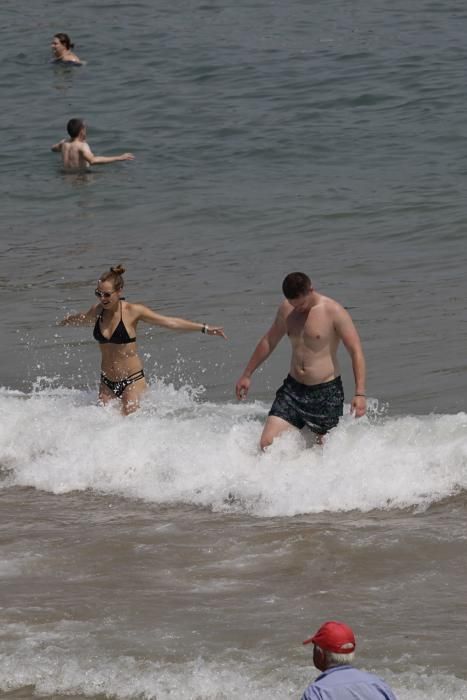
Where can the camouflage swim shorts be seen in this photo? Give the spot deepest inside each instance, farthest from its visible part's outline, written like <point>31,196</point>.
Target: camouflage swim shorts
<point>318,406</point>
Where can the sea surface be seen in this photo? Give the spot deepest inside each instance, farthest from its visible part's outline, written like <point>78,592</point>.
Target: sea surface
<point>161,555</point>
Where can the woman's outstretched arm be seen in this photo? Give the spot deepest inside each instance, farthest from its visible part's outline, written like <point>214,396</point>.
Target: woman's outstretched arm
<point>143,313</point>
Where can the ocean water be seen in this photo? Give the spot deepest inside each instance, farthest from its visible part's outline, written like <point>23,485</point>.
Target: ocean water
<point>161,555</point>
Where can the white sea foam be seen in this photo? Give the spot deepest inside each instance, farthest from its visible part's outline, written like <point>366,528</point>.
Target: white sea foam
<point>181,449</point>
<point>125,677</point>
<point>67,658</point>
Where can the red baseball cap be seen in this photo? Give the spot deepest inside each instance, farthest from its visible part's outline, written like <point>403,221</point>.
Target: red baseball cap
<point>334,636</point>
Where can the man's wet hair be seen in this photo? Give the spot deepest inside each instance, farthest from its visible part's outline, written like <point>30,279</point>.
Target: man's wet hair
<point>74,126</point>
<point>295,285</point>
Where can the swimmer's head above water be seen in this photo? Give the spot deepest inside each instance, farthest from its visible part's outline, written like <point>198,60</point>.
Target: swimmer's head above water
<point>60,41</point>
<point>62,49</point>
<point>295,285</point>
<point>76,128</point>
<point>298,290</point>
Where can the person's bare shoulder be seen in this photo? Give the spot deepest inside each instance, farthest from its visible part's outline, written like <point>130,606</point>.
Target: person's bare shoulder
<point>137,311</point>
<point>83,150</point>
<point>283,312</point>
<point>331,305</point>
<point>132,309</point>
<point>334,311</point>
<point>340,317</point>
<point>285,309</point>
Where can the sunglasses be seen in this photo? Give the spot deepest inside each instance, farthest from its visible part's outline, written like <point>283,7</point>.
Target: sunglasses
<point>103,295</point>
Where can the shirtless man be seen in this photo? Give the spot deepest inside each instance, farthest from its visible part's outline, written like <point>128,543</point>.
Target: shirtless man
<point>312,394</point>
<point>76,153</point>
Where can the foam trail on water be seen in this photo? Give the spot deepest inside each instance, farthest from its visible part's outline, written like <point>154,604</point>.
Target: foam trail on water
<point>126,677</point>
<point>67,659</point>
<point>179,449</point>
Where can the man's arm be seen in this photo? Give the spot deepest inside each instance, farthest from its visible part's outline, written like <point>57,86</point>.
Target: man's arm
<point>348,334</point>
<point>262,351</point>
<point>90,158</point>
<point>57,147</point>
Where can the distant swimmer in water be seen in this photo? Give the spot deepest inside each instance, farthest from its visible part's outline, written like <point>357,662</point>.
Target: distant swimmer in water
<point>115,321</point>
<point>61,49</point>
<point>76,153</point>
<point>312,393</point>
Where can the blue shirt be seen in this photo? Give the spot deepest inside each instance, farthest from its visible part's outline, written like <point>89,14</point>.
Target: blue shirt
<point>348,683</point>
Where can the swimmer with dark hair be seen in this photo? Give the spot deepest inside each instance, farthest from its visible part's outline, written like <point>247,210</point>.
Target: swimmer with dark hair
<point>115,321</point>
<point>76,153</point>
<point>61,49</point>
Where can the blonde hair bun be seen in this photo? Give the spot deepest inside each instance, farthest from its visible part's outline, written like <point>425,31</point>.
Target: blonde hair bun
<point>114,275</point>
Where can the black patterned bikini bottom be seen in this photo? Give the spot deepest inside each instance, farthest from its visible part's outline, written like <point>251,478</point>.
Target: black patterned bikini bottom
<point>120,385</point>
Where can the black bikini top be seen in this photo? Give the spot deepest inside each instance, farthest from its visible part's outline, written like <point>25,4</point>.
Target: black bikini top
<point>119,336</point>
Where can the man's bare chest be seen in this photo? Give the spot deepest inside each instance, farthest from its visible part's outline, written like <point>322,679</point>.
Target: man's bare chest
<point>312,330</point>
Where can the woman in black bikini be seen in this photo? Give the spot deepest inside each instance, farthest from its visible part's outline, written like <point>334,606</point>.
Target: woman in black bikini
<point>115,321</point>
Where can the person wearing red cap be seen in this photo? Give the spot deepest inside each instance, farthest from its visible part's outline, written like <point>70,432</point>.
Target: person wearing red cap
<point>333,653</point>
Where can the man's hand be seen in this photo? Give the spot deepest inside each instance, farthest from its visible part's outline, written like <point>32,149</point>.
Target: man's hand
<point>358,406</point>
<point>242,386</point>
<point>57,147</point>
